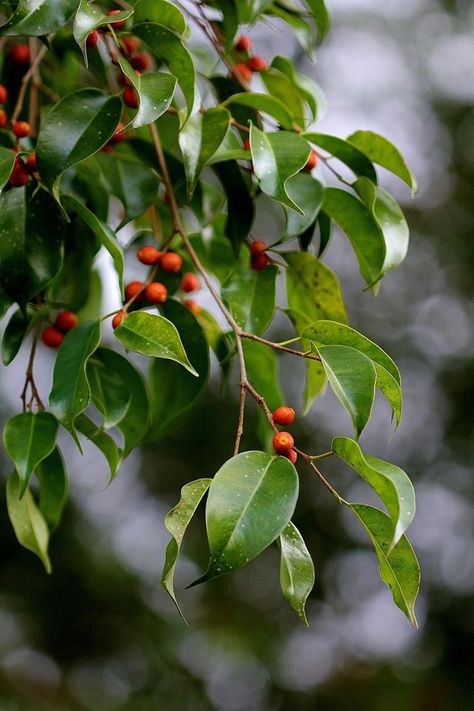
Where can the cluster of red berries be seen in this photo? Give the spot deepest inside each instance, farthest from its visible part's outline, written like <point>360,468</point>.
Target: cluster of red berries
<point>283,442</point>
<point>259,259</point>
<point>93,37</point>
<point>245,70</point>
<point>155,292</point>
<point>53,335</point>
<point>22,170</point>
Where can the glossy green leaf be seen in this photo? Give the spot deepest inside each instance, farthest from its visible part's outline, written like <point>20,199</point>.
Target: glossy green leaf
<point>296,570</point>
<point>155,91</point>
<point>7,159</point>
<point>355,159</point>
<point>307,90</point>
<point>31,236</point>
<point>251,500</point>
<point>169,48</point>
<point>321,15</point>
<point>102,231</point>
<point>355,220</point>
<point>325,232</point>
<point>176,521</point>
<point>276,158</point>
<point>392,390</point>
<point>284,87</point>
<point>399,569</point>
<point>28,523</point>
<point>250,295</point>
<point>70,394</point>
<point>240,206</point>
<point>153,335</point>
<point>102,441</point>
<point>90,17</point>
<point>308,193</point>
<point>161,11</point>
<point>300,28</point>
<point>28,439</point>
<point>352,377</point>
<point>381,151</point>
<point>263,102</point>
<point>109,394</point>
<point>14,335</point>
<point>53,488</point>
<point>39,18</point>
<point>199,140</point>
<point>74,129</point>
<point>250,10</point>
<point>388,481</point>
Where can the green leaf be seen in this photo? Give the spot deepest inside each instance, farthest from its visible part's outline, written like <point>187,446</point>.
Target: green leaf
<point>352,377</point>
<point>324,222</point>
<point>28,439</point>
<point>169,48</point>
<point>161,11</point>
<point>155,92</point>
<point>251,500</point>
<point>31,236</point>
<point>391,389</point>
<point>74,129</point>
<point>102,231</point>
<point>53,488</point>
<point>384,153</point>
<point>276,158</point>
<point>102,441</point>
<point>355,159</point>
<point>70,394</point>
<point>240,206</point>
<point>109,394</point>
<point>264,102</point>
<point>199,140</point>
<point>388,481</point>
<point>176,521</point>
<point>308,193</point>
<point>321,15</point>
<point>39,18</point>
<point>89,17</point>
<point>302,30</point>
<point>306,89</point>
<point>399,569</point>
<point>27,521</point>
<point>7,159</point>
<point>250,295</point>
<point>296,570</point>
<point>153,335</point>
<point>355,220</point>
<point>174,391</point>
<point>14,335</point>
<point>288,91</point>
<point>315,373</point>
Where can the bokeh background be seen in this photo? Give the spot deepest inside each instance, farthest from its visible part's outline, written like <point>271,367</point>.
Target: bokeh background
<point>100,635</point>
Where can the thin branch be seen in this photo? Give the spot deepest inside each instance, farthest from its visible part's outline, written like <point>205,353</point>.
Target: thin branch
<point>24,83</point>
<point>29,377</point>
<point>279,347</point>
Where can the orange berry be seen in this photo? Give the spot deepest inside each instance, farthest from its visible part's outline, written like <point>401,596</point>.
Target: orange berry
<point>3,118</point>
<point>257,246</point>
<point>92,39</point>
<point>291,455</point>
<point>118,318</point>
<point>283,442</point>
<point>119,135</point>
<point>193,306</point>
<point>243,44</point>
<point>149,255</point>
<point>284,415</point>
<point>243,72</point>
<point>120,23</point>
<point>257,64</point>
<point>52,337</point>
<point>3,94</point>
<point>21,129</point>
<point>134,288</point>
<point>311,162</point>
<point>171,262</point>
<point>31,162</point>
<point>19,175</point>
<point>141,62</point>
<point>156,293</point>
<point>259,261</point>
<point>66,321</point>
<point>130,97</point>
<point>131,44</point>
<point>20,54</point>
<point>190,282</point>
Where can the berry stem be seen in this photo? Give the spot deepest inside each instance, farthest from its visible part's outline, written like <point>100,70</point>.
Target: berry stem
<point>24,83</point>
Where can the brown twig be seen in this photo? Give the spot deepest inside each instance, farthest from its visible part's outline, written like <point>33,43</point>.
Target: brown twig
<point>278,347</point>
<point>24,83</point>
<point>30,379</point>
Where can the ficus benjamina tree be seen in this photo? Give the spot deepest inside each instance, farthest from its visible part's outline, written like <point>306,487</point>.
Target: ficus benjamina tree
<point>152,129</point>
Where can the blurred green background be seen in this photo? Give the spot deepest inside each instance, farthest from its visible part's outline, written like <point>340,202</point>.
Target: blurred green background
<point>100,635</point>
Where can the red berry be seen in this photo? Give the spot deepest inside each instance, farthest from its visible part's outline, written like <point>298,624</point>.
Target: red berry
<point>20,54</point>
<point>192,306</point>
<point>92,39</point>
<point>311,162</point>
<point>134,288</point>
<point>259,261</point>
<point>190,282</point>
<point>141,62</point>
<point>291,455</point>
<point>257,64</point>
<point>31,162</point>
<point>283,442</point>
<point>118,318</point>
<point>156,293</point>
<point>130,97</point>
<point>3,118</point>
<point>19,175</point>
<point>247,144</point>
<point>243,44</point>
<point>149,255</point>
<point>120,23</point>
<point>52,337</point>
<point>21,129</point>
<point>284,415</point>
<point>119,135</point>
<point>3,94</point>
<point>243,72</point>
<point>131,44</point>
<point>66,321</point>
<point>171,262</point>
<point>257,246</point>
